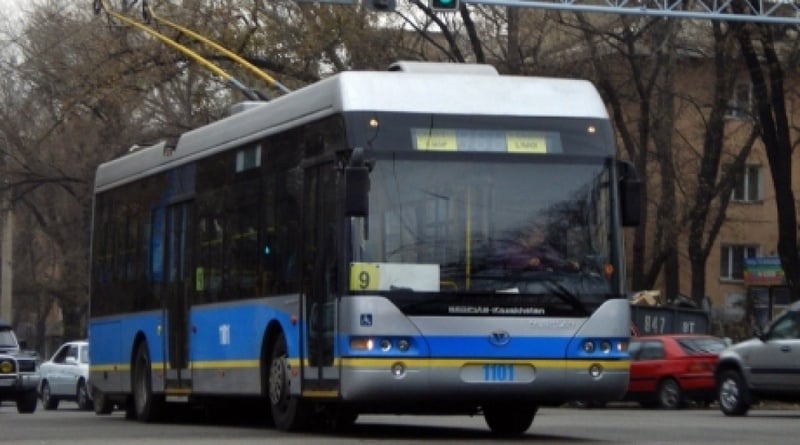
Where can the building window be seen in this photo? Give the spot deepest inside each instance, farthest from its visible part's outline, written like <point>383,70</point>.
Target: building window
<point>748,189</point>
<point>731,262</point>
<point>741,104</point>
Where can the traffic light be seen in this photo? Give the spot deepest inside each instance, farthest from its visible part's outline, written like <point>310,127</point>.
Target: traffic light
<point>381,5</point>
<point>444,5</point>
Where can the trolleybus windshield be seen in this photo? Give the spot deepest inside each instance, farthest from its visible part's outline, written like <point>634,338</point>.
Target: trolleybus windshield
<point>487,224</point>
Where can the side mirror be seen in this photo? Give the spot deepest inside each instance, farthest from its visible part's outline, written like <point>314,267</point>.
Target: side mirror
<point>71,361</point>
<point>630,192</point>
<point>356,185</point>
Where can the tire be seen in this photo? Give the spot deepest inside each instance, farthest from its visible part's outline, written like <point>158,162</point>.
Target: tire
<point>147,406</point>
<point>27,401</point>
<point>509,420</point>
<point>288,412</point>
<point>48,401</point>
<point>670,395</point>
<point>82,396</point>
<point>102,406</point>
<point>732,394</point>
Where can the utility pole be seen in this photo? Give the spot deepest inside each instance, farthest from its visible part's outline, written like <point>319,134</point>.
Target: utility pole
<point>6,240</point>
<point>6,252</point>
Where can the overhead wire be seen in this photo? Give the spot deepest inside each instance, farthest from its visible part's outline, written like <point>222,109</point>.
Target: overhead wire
<point>148,14</point>
<point>100,6</point>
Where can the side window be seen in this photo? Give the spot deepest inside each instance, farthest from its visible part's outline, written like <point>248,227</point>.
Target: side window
<point>635,350</point>
<point>61,355</point>
<point>787,327</point>
<point>73,353</point>
<point>652,350</point>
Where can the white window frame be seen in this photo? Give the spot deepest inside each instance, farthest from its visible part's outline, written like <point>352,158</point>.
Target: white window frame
<point>728,260</point>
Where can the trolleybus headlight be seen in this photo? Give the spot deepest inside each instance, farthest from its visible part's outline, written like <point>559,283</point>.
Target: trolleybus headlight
<point>622,346</point>
<point>605,346</point>
<point>386,345</point>
<point>588,346</point>
<point>361,344</point>
<point>399,369</point>
<point>595,370</point>
<point>402,345</point>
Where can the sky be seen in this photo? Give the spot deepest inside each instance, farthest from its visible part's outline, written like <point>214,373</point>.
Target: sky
<point>10,9</point>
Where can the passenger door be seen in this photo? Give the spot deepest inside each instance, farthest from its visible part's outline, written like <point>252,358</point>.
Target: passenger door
<point>775,363</point>
<point>646,366</point>
<point>55,371</point>
<point>320,275</point>
<point>71,371</point>
<point>177,285</point>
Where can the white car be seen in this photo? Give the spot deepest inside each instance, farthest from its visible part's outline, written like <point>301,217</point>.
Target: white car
<point>65,376</point>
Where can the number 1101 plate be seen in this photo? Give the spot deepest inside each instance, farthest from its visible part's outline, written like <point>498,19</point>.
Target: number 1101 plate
<point>497,373</point>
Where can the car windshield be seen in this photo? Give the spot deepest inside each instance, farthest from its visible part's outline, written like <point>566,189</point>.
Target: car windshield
<point>7,339</point>
<point>702,345</point>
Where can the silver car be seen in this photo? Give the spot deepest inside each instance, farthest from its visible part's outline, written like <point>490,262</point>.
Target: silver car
<point>763,368</point>
<point>65,376</point>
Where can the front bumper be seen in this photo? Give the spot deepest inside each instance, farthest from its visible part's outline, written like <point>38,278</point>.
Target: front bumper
<point>13,385</point>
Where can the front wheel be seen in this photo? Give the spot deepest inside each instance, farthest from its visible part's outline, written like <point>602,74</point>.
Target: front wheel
<point>48,401</point>
<point>732,394</point>
<point>27,401</point>
<point>509,420</point>
<point>288,412</point>
<point>670,395</point>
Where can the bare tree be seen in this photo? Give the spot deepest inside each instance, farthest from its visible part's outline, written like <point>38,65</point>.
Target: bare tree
<point>717,172</point>
<point>767,74</point>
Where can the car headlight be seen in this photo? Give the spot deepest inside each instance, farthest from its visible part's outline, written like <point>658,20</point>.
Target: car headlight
<point>6,366</point>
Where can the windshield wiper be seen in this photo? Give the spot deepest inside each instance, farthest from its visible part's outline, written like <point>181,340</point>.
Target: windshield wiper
<point>559,290</point>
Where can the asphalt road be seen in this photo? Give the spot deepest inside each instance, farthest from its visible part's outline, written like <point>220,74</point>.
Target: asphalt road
<point>615,425</point>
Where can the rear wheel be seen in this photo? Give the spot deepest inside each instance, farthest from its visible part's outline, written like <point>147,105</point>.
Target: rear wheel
<point>732,394</point>
<point>82,396</point>
<point>509,420</point>
<point>288,412</point>
<point>670,395</point>
<point>48,401</point>
<point>102,406</point>
<point>148,407</point>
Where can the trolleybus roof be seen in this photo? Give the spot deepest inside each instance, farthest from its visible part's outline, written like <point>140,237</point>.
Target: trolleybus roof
<point>453,92</point>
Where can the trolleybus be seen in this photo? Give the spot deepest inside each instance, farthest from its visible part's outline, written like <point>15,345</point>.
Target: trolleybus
<point>364,245</point>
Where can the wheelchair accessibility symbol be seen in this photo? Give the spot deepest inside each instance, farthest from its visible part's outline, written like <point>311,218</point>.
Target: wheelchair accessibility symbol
<point>366,319</point>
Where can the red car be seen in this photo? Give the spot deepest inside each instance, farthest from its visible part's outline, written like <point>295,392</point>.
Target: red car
<point>669,370</point>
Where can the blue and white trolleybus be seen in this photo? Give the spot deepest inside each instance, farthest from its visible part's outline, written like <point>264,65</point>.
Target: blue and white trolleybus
<point>435,238</point>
